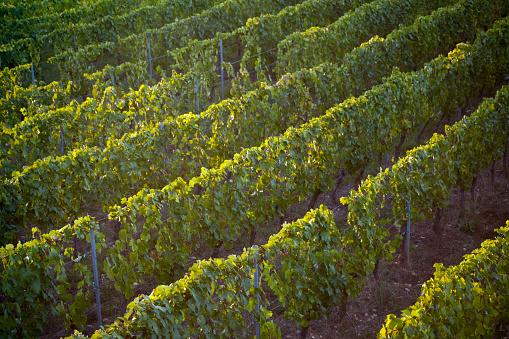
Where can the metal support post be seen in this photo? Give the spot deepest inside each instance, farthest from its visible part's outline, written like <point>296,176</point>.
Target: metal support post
<point>408,236</point>
<point>197,95</point>
<point>222,75</point>
<point>149,56</point>
<point>96,278</point>
<point>256,286</point>
<point>61,141</point>
<point>33,74</point>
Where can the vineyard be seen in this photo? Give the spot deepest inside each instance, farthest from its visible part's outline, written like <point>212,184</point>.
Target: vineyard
<point>254,168</point>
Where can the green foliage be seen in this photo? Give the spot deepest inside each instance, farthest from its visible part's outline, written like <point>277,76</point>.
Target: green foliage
<point>202,57</point>
<point>194,143</point>
<point>35,23</point>
<point>224,16</point>
<point>259,35</point>
<point>261,181</point>
<point>220,183</point>
<point>103,22</point>
<point>467,226</point>
<point>460,301</point>
<point>36,281</point>
<point>319,265</point>
<point>217,299</point>
<point>283,171</point>
<point>22,101</point>
<point>318,45</point>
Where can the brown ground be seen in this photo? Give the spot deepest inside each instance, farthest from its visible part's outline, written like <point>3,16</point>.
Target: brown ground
<point>399,286</point>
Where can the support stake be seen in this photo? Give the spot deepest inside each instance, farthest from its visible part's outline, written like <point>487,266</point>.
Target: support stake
<point>256,285</point>
<point>295,58</point>
<point>149,56</point>
<point>61,141</point>
<point>96,278</point>
<point>74,38</point>
<point>222,74</point>
<point>387,154</point>
<point>164,152</point>
<point>33,75</point>
<point>408,236</point>
<point>197,95</point>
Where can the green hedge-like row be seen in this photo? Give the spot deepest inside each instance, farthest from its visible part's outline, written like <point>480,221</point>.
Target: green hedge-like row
<point>107,29</point>
<point>469,145</point>
<point>39,279</point>
<point>320,265</point>
<point>223,17</point>
<point>303,265</point>
<point>463,301</point>
<point>260,182</point>
<point>33,24</point>
<point>25,102</point>
<point>195,141</point>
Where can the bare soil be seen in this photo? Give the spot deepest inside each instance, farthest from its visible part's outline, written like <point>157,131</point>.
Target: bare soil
<point>399,285</point>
